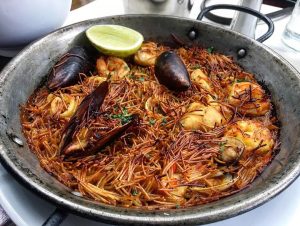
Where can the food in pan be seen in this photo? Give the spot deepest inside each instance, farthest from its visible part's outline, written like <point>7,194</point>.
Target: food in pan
<point>163,128</point>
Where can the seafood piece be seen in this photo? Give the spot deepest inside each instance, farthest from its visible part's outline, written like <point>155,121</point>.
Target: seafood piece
<point>112,67</point>
<point>182,52</point>
<point>230,150</point>
<point>220,182</point>
<point>201,80</point>
<point>249,98</point>
<point>80,143</point>
<point>85,147</point>
<point>205,118</point>
<point>88,108</point>
<point>95,80</point>
<point>175,191</point>
<point>64,105</point>
<point>171,72</point>
<point>255,136</point>
<point>147,54</point>
<point>152,105</point>
<point>66,71</point>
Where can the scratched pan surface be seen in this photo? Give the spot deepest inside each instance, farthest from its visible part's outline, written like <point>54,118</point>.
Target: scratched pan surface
<point>26,71</point>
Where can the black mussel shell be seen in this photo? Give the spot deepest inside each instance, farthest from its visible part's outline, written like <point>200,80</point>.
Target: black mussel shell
<point>87,109</point>
<point>171,72</point>
<point>66,71</point>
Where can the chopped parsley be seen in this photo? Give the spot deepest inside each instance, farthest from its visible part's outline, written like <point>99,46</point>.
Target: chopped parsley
<point>242,80</point>
<point>134,192</point>
<point>125,117</point>
<point>131,76</point>
<point>196,66</point>
<point>116,107</point>
<point>222,146</point>
<point>210,49</point>
<point>152,122</point>
<point>164,121</point>
<point>142,79</point>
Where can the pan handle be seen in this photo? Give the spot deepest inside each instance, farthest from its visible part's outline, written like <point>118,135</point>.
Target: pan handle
<point>56,218</point>
<point>259,15</point>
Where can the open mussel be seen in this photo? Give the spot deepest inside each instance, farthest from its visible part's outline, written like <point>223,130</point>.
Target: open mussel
<point>87,109</point>
<point>70,148</point>
<point>67,70</point>
<point>230,150</point>
<point>171,72</point>
<point>88,147</point>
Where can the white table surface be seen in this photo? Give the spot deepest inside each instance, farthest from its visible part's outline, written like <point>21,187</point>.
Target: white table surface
<point>26,209</point>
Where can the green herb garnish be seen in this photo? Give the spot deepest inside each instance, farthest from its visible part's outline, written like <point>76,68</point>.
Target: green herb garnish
<point>125,111</point>
<point>125,117</point>
<point>131,76</point>
<point>222,146</point>
<point>142,79</point>
<point>242,80</point>
<point>114,116</point>
<point>210,49</point>
<point>152,122</point>
<point>134,192</point>
<point>116,107</point>
<point>196,66</point>
<point>164,121</point>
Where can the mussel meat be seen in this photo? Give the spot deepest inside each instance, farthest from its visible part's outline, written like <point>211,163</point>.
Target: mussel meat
<point>171,72</point>
<point>67,70</point>
<point>230,150</point>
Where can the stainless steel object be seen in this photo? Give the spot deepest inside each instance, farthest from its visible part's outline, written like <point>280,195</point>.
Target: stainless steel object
<point>26,71</point>
<point>245,23</point>
<point>165,7</point>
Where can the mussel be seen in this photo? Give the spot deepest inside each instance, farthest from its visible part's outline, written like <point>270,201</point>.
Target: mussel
<point>67,70</point>
<point>74,151</point>
<point>230,150</point>
<point>171,72</point>
<point>87,109</point>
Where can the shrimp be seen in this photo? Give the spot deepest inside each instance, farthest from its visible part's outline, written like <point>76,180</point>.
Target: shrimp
<point>249,98</point>
<point>147,54</point>
<point>255,136</point>
<point>112,67</point>
<point>205,118</point>
<point>201,80</point>
<point>64,105</point>
<point>152,106</point>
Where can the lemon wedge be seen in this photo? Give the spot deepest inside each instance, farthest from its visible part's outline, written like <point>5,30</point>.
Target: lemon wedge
<point>115,40</point>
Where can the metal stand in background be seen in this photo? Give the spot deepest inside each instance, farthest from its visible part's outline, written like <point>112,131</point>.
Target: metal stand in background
<point>227,21</point>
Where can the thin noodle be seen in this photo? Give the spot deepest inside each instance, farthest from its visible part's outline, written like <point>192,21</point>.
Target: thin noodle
<point>159,164</point>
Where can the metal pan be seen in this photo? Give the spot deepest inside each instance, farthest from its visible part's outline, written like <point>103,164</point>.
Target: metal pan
<point>26,71</point>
